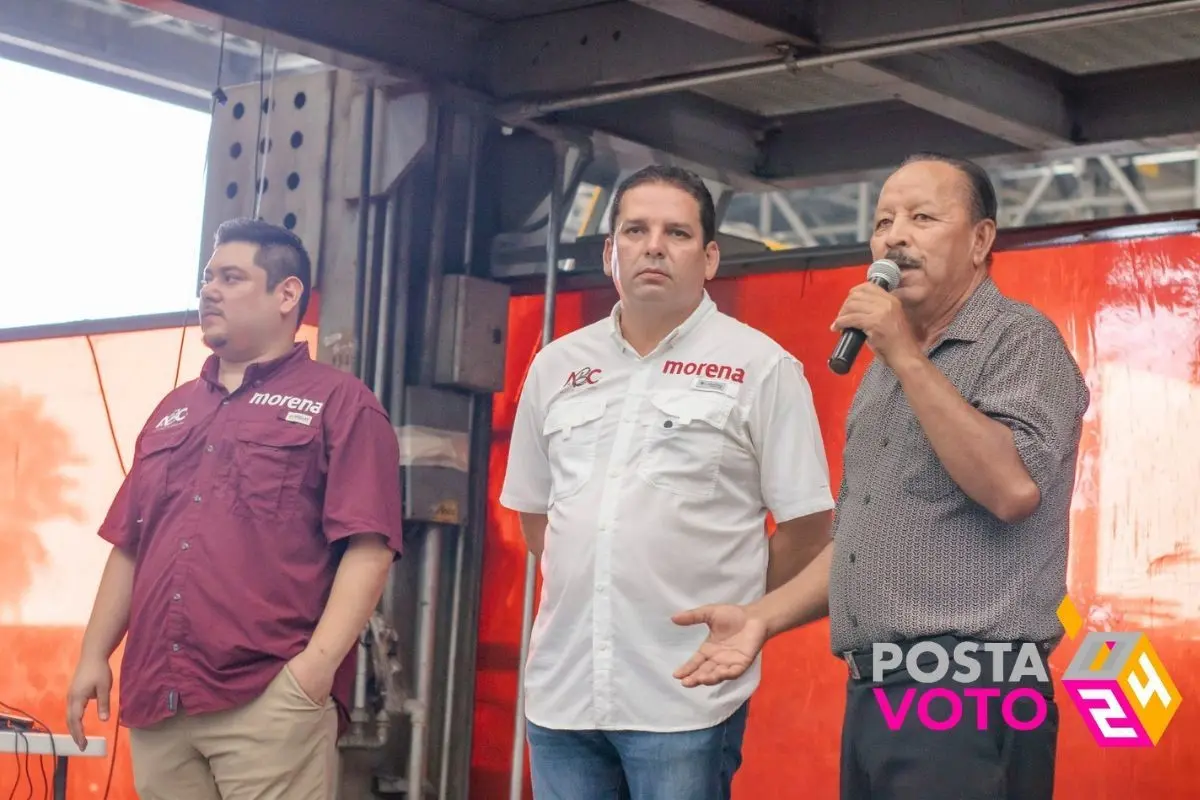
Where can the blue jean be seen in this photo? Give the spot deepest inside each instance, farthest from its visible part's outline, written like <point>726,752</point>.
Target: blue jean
<point>636,765</point>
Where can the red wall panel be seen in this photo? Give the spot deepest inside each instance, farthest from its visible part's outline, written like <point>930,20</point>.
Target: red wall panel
<point>1130,311</point>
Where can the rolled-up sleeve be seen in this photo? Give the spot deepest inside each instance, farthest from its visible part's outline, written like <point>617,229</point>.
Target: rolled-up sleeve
<point>362,483</point>
<point>794,472</point>
<point>1032,384</point>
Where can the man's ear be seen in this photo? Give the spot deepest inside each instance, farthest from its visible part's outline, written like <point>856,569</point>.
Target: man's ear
<point>290,290</point>
<point>608,253</point>
<point>712,259</point>
<point>985,237</point>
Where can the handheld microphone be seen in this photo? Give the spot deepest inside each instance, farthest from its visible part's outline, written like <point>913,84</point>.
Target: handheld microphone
<point>883,273</point>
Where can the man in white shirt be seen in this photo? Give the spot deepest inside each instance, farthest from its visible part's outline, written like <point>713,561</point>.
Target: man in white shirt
<point>647,450</point>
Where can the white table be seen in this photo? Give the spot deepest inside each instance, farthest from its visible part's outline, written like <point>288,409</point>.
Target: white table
<point>63,747</point>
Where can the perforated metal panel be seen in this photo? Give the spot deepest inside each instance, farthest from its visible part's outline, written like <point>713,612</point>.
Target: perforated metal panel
<point>288,146</point>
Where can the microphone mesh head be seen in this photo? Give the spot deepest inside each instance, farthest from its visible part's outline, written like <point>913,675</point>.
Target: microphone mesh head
<point>886,270</point>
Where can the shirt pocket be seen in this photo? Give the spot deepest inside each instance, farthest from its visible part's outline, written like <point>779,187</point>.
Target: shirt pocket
<point>923,475</point>
<point>572,430</point>
<point>684,442</point>
<point>160,476</point>
<point>270,461</point>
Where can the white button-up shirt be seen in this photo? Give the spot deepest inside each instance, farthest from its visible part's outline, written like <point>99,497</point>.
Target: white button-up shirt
<point>656,474</point>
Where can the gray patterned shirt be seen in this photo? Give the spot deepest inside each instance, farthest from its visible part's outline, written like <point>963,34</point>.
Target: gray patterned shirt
<point>913,555</point>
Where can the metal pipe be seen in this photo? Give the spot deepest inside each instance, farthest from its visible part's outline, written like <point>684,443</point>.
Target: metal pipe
<point>477,132</point>
<point>360,674</point>
<point>452,661</point>
<point>553,223</point>
<point>528,110</point>
<point>1124,184</point>
<point>418,707</point>
<point>383,306</point>
<point>364,217</point>
<point>437,246</point>
<point>402,281</point>
<point>362,655</point>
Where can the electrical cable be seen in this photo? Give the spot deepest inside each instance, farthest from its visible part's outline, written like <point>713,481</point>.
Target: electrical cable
<point>112,432</point>
<point>17,758</point>
<point>218,99</point>
<point>44,728</point>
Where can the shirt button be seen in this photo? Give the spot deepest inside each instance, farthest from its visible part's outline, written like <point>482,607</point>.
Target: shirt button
<point>177,597</point>
<point>184,546</point>
<point>853,621</point>
<point>196,499</point>
<point>668,424</point>
<point>139,520</point>
<point>867,500</point>
<point>208,449</point>
<point>885,441</point>
<point>175,647</point>
<point>852,558</point>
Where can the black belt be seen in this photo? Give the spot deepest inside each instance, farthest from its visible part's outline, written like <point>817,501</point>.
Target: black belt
<point>861,662</point>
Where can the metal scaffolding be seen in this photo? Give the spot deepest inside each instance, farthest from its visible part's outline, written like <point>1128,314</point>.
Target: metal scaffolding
<point>1060,192</point>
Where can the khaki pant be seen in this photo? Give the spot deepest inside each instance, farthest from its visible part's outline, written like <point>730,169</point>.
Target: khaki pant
<point>280,746</point>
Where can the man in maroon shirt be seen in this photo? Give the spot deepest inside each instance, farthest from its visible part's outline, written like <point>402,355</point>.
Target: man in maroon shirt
<point>251,541</point>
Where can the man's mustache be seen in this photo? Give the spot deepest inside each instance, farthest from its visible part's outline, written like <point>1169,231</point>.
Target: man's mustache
<point>903,260</point>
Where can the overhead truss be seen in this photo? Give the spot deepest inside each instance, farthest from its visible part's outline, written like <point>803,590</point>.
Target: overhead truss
<point>1071,190</point>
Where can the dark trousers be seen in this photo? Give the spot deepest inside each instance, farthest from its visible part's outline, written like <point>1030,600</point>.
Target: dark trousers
<point>915,762</point>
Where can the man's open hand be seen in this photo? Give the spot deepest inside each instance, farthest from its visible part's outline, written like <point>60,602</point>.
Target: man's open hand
<point>734,641</point>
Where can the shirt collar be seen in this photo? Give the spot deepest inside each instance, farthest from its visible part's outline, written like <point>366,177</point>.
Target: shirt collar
<point>973,318</point>
<point>259,370</point>
<point>706,307</point>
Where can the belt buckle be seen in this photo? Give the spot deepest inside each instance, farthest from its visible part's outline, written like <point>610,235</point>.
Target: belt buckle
<point>848,657</point>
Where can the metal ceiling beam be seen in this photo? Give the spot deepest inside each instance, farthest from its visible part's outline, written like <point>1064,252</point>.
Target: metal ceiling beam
<point>841,145</point>
<point>689,126</point>
<point>842,24</point>
<point>602,45</point>
<point>416,38</point>
<point>759,22</point>
<point>88,44</point>
<point>970,88</point>
<point>1123,112</point>
<point>1154,107</point>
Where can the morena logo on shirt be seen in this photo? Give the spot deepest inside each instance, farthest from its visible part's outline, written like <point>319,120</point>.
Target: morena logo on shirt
<point>583,377</point>
<point>721,371</point>
<point>287,401</point>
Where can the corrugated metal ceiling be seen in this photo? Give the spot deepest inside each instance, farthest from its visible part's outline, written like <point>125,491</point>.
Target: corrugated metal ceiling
<point>790,93</point>
<point>1103,48</point>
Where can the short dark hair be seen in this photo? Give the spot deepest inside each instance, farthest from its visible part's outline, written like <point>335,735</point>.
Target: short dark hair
<point>678,177</point>
<point>280,253</point>
<point>982,193</point>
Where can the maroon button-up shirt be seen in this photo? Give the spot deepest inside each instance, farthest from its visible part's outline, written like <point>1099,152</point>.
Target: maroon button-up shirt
<point>236,510</point>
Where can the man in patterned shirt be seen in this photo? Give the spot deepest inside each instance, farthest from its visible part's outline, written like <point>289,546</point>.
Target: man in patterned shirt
<point>952,516</point>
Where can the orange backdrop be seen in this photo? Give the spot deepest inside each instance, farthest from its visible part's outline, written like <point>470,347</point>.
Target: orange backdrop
<point>70,410</point>
<point>1130,311</point>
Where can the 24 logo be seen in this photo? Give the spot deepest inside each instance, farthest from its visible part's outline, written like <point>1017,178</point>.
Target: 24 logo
<point>1119,684</point>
